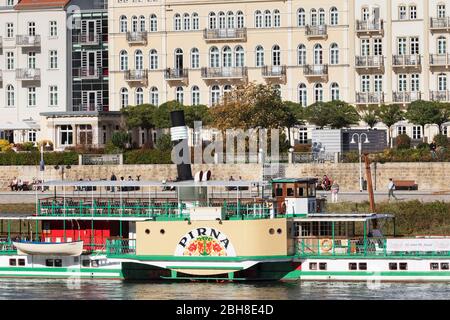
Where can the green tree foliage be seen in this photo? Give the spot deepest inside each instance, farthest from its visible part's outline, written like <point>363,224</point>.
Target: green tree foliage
<point>141,116</point>
<point>403,141</point>
<point>390,115</point>
<point>369,115</point>
<point>423,112</point>
<point>164,143</point>
<point>197,113</point>
<point>162,113</point>
<point>335,114</point>
<point>120,139</point>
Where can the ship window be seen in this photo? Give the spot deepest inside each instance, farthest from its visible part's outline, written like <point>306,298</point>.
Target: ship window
<point>95,263</point>
<point>76,260</point>
<point>279,190</point>
<point>392,266</point>
<point>434,266</point>
<point>290,192</point>
<point>312,190</point>
<point>362,266</point>
<point>403,266</point>
<point>147,231</point>
<point>444,266</point>
<point>58,263</point>
<point>49,262</point>
<point>12,262</point>
<point>302,190</point>
<point>352,266</point>
<point>271,230</point>
<point>279,231</point>
<point>323,266</point>
<point>313,266</point>
<point>21,262</point>
<point>162,231</point>
<point>86,263</point>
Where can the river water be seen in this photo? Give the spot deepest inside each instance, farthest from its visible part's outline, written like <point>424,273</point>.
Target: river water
<point>107,289</point>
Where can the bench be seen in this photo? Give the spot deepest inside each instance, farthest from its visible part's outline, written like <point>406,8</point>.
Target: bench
<point>405,185</point>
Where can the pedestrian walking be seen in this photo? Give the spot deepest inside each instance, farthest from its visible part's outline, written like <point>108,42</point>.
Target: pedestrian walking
<point>334,192</point>
<point>391,188</point>
<point>113,178</point>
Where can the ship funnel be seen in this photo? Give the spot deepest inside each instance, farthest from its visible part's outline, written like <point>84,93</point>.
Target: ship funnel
<point>206,176</point>
<point>179,135</point>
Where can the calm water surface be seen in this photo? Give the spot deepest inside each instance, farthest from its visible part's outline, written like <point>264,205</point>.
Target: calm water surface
<point>106,289</point>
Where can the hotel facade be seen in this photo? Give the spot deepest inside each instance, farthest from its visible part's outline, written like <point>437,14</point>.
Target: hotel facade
<point>368,52</point>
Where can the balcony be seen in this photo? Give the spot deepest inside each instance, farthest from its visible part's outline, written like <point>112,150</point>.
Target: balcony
<point>369,97</point>
<point>219,35</point>
<point>28,74</point>
<point>87,39</point>
<point>137,76</point>
<point>441,96</point>
<point>440,24</point>
<point>316,31</point>
<point>87,73</point>
<point>374,27</point>
<point>406,61</point>
<point>405,97</point>
<point>274,73</point>
<point>137,37</point>
<point>179,75</point>
<point>28,41</point>
<point>440,60</point>
<point>227,73</point>
<point>315,70</point>
<point>87,107</point>
<point>364,64</point>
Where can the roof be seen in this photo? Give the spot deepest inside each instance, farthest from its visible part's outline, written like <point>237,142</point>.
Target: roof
<point>357,217</point>
<point>39,4</point>
<point>71,114</point>
<point>192,183</point>
<point>293,180</point>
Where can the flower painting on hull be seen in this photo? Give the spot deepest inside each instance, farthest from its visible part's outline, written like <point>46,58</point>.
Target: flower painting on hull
<point>205,242</point>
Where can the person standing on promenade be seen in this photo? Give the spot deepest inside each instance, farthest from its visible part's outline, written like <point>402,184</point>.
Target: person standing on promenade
<point>113,178</point>
<point>391,188</point>
<point>334,192</point>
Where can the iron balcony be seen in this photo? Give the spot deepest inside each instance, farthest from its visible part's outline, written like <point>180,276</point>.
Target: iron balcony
<point>217,35</point>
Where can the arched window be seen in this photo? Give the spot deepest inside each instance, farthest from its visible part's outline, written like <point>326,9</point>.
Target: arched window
<point>212,20</point>
<point>276,18</point>
<point>177,22</point>
<point>313,17</point>
<point>302,95</point>
<point>230,20</point>
<point>195,58</point>
<point>153,59</point>
<point>10,96</point>
<point>123,60</point>
<point>239,56</point>
<point>139,99</point>
<point>214,57</point>
<point>138,60</point>
<point>227,57</point>
<point>259,56</point>
<point>258,19</point>
<point>267,19</point>
<point>276,55</point>
<point>154,96</point>
<point>179,59</point>
<point>318,54</point>
<point>142,23</point>
<point>153,23</point>
<point>134,24</point>
<point>442,45</point>
<point>195,21</point>
<point>334,91</point>
<point>321,16</point>
<point>301,54</point>
<point>123,98</point>
<point>442,82</point>
<point>226,89</point>
<point>123,24</point>
<point>222,20</point>
<point>301,18</point>
<point>240,20</point>
<point>334,54</point>
<point>186,22</point>
<point>179,95</point>
<point>195,92</point>
<point>215,95</point>
<point>334,16</point>
<point>318,92</point>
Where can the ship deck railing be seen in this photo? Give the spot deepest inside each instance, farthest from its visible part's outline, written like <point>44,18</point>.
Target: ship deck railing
<point>120,247</point>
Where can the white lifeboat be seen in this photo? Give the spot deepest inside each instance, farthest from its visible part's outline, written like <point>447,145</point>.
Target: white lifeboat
<point>50,248</point>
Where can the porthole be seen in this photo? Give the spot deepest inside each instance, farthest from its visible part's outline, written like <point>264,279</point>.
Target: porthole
<point>271,230</point>
<point>279,231</point>
<point>147,231</point>
<point>162,231</point>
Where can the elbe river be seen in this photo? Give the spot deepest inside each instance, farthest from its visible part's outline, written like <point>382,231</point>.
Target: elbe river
<point>124,290</point>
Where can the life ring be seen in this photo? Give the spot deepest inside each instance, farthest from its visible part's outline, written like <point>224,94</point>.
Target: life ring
<point>326,245</point>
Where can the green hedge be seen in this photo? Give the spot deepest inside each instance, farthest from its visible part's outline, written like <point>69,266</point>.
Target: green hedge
<point>33,158</point>
<point>147,156</point>
<point>403,155</point>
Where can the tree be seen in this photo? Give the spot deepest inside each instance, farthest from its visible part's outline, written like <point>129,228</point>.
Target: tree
<point>318,114</point>
<point>369,115</point>
<point>423,112</point>
<point>162,113</point>
<point>390,115</point>
<point>335,114</point>
<point>197,113</point>
<point>141,116</point>
<point>444,111</point>
<point>119,140</point>
<point>294,116</point>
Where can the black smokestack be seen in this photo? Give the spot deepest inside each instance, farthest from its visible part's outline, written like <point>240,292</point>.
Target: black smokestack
<point>179,135</point>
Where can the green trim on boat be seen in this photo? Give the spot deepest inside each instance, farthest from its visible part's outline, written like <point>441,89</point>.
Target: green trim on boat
<point>204,268</point>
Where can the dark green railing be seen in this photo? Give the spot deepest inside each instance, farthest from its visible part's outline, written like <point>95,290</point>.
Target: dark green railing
<point>120,247</point>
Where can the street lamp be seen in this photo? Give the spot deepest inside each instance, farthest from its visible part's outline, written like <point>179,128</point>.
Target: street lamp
<point>360,136</point>
<point>42,163</point>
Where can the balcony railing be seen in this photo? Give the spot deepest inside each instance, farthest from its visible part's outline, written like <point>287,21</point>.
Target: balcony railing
<point>274,71</point>
<point>239,34</point>
<point>84,107</point>
<point>315,70</point>
<point>403,96</point>
<point>442,96</point>
<point>369,27</point>
<point>138,37</point>
<point>369,97</point>
<point>226,72</point>
<point>87,73</point>
<point>88,39</point>
<point>136,75</point>
<point>440,24</point>
<point>406,60</point>
<point>439,60</point>
<point>176,74</point>
<point>28,74</point>
<point>28,41</point>
<point>369,62</point>
<point>319,31</point>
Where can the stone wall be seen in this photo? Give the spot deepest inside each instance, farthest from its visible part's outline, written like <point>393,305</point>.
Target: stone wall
<point>429,176</point>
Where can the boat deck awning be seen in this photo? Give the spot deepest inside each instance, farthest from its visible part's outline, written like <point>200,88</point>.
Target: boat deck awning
<point>339,217</point>
<point>16,216</point>
<point>119,183</point>
<point>32,217</point>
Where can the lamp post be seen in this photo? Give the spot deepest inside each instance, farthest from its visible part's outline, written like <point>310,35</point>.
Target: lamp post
<point>360,136</point>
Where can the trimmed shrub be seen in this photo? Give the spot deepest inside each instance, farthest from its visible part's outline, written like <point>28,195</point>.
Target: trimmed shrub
<point>33,158</point>
<point>441,140</point>
<point>164,143</point>
<point>147,156</point>
<point>5,145</point>
<point>423,145</point>
<point>403,141</point>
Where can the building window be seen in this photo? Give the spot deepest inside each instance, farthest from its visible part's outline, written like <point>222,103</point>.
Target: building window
<point>365,83</point>
<point>301,18</point>
<point>365,14</point>
<point>222,20</point>
<point>31,60</point>
<point>212,21</point>
<point>53,91</point>
<point>318,92</point>
<point>401,46</point>
<point>138,60</point>
<point>32,96</point>
<point>177,22</point>
<point>258,19</point>
<point>302,95</point>
<point>318,54</point>
<point>10,60</point>
<point>378,83</point>
<point>301,55</point>
<point>321,16</point>
<point>226,89</point>
<point>195,58</point>
<point>134,24</point>
<point>214,57</point>
<point>215,95</point>
<point>10,96</point>
<point>123,60</point>
<point>153,23</point>
<point>378,46</point>
<point>195,21</point>
<point>442,82</point>
<point>415,82</point>
<point>53,29</point>
<point>9,30</point>
<point>154,96</point>
<point>230,20</point>
<point>335,91</point>
<point>365,47</point>
<point>401,130</point>
<point>195,92</point>
<point>123,25</point>
<point>66,135</point>
<point>85,133</point>
<point>402,13</point>
<point>31,29</point>
<point>240,20</point>
<point>186,21</point>
<point>239,56</point>
<point>334,54</point>
<point>142,24</point>
<point>417,132</point>
<point>334,17</point>
<point>303,135</point>
<point>402,83</point>
<point>227,57</point>
<point>412,12</point>
<point>276,18</point>
<point>414,45</point>
<point>441,11</point>
<point>32,135</point>
<point>442,45</point>
<point>276,55</point>
<point>259,56</point>
<point>153,59</point>
<point>179,95</point>
<point>313,15</point>
<point>123,98</point>
<point>53,59</point>
<point>139,96</point>
<point>267,19</point>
